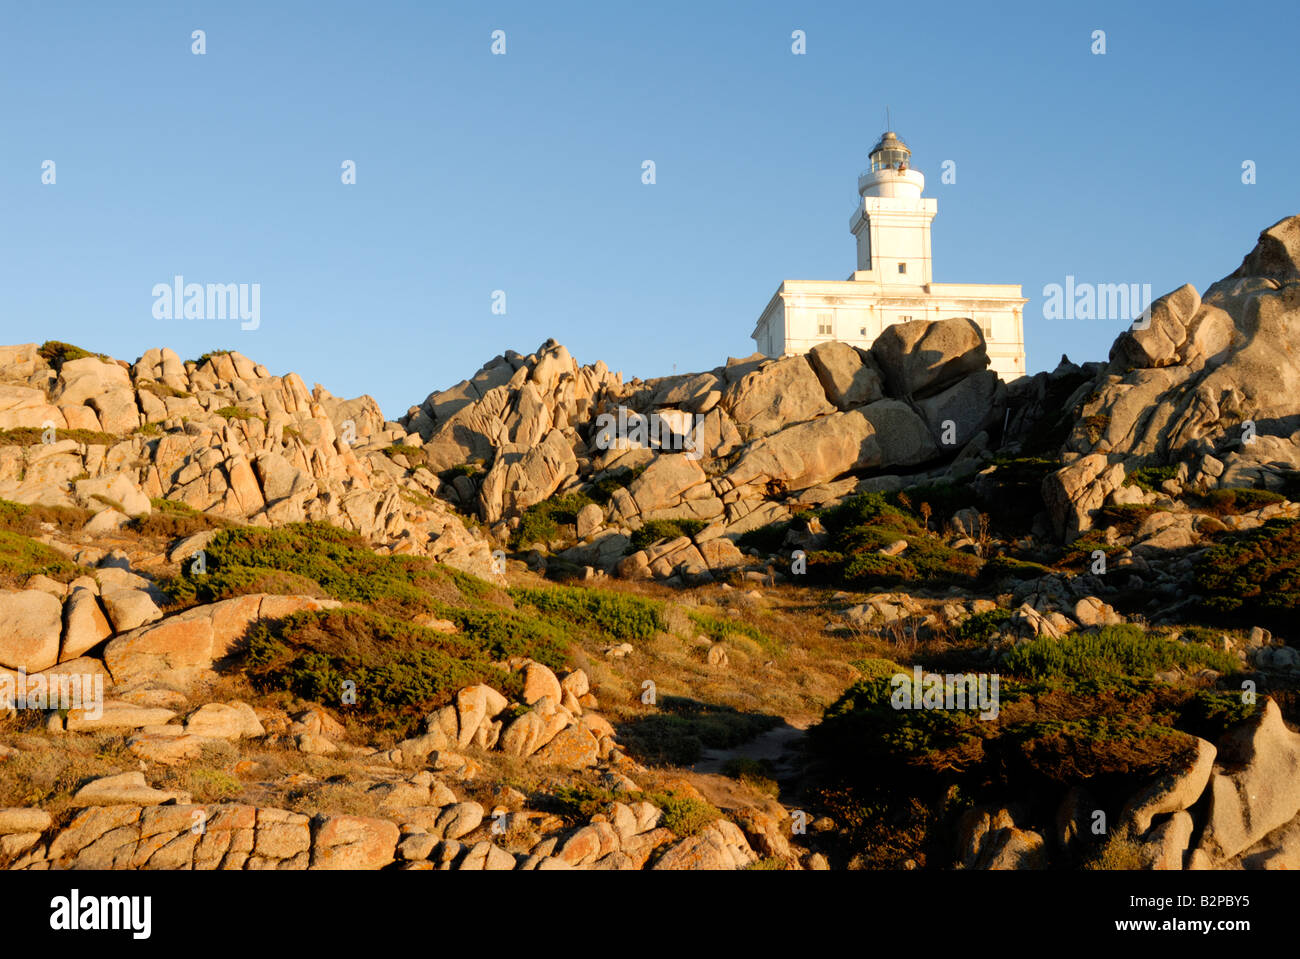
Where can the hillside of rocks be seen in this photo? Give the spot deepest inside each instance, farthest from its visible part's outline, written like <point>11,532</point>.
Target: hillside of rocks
<point>551,618</point>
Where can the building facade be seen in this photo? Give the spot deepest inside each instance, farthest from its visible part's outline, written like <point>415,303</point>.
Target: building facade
<point>893,282</point>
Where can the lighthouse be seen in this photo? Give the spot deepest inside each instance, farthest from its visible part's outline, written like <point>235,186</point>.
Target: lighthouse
<point>892,221</point>
<point>893,280</point>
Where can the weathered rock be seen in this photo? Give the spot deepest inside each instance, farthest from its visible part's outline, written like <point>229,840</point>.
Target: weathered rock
<point>224,721</point>
<point>1175,791</point>
<point>921,358</point>
<point>847,379</point>
<point>121,789</point>
<point>1255,792</point>
<point>31,622</point>
<point>776,395</point>
<point>85,626</point>
<point>353,842</point>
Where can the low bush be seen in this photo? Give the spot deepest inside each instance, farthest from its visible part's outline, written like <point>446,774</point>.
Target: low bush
<point>1254,574</point>
<point>1113,651</point>
<point>22,557</point>
<point>620,615</point>
<point>1231,502</point>
<point>33,436</point>
<point>657,529</point>
<point>541,523</point>
<point>718,628</point>
<point>400,671</point>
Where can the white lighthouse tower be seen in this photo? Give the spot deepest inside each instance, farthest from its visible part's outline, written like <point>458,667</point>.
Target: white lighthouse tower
<point>892,221</point>
<point>893,281</point>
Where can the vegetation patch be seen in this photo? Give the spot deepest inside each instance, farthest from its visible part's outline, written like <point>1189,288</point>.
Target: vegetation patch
<point>56,353</point>
<point>339,563</point>
<point>399,670</point>
<point>1231,502</point>
<point>22,557</point>
<point>657,529</point>
<point>235,413</point>
<point>415,456</point>
<point>1113,651</point>
<point>541,523</point>
<point>621,615</point>
<point>1149,478</point>
<point>33,436</point>
<point>863,525</point>
<point>1079,711</point>
<point>718,628</point>
<point>162,389</point>
<point>1254,574</point>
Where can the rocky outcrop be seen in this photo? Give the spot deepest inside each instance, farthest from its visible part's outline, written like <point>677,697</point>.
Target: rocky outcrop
<point>1208,382</point>
<point>222,436</point>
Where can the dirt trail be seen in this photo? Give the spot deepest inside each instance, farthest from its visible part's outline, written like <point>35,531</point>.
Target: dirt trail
<point>778,745</point>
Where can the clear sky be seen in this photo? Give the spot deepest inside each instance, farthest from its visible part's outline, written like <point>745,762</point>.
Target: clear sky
<point>523,172</point>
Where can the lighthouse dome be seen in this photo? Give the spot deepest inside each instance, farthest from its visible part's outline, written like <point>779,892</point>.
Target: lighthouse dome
<point>889,153</point>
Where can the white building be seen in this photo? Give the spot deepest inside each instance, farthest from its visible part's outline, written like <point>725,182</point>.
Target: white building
<point>893,282</point>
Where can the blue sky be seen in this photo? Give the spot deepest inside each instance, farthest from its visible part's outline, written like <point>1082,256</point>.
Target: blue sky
<point>522,172</point>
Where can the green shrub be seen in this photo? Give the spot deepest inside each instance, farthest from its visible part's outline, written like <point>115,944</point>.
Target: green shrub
<point>1005,567</point>
<point>209,355</point>
<point>240,560</point>
<point>57,353</point>
<point>415,456</point>
<point>22,557</point>
<point>1114,651</point>
<point>657,529</point>
<point>33,436</point>
<point>1230,502</point>
<point>541,523</point>
<point>876,668</point>
<point>602,491</point>
<point>235,413</point>
<point>684,728</point>
<point>1148,479</point>
<point>401,671</point>
<point>161,389</point>
<point>766,539</point>
<point>982,627</point>
<point>685,815</point>
<point>620,615</point>
<point>864,524</point>
<point>1254,574</point>
<point>718,628</point>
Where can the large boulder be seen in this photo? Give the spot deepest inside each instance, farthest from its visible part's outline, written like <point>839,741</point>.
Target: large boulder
<point>776,395</point>
<point>522,477</point>
<point>885,434</point>
<point>922,357</point>
<point>1256,787</point>
<point>31,622</point>
<point>847,378</point>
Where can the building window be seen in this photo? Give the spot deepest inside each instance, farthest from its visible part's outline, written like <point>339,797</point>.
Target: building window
<point>904,319</point>
<point>862,332</point>
<point>824,324</point>
<point>902,268</point>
